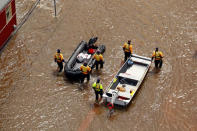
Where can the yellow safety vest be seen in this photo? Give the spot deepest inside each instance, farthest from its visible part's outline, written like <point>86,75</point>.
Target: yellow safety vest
<point>59,57</point>
<point>97,86</point>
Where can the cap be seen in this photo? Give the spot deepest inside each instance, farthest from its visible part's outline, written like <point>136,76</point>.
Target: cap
<point>156,48</point>
<point>98,80</point>
<point>58,50</point>
<point>98,52</point>
<point>129,41</point>
<point>85,63</point>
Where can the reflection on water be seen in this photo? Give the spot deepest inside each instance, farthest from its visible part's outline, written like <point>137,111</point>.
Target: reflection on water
<point>34,96</point>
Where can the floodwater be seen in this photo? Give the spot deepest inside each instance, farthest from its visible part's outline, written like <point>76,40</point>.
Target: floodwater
<point>34,97</point>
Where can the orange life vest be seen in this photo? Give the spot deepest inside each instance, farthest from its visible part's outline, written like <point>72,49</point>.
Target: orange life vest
<point>98,57</point>
<point>59,57</point>
<point>127,47</point>
<point>85,69</point>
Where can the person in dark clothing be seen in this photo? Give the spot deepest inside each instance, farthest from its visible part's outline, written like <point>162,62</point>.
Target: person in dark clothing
<point>127,48</point>
<point>158,56</point>
<point>85,69</point>
<point>59,59</point>
<point>98,59</point>
<point>98,89</point>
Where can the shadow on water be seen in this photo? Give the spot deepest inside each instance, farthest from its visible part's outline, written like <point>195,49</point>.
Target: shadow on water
<point>154,71</point>
<point>58,74</point>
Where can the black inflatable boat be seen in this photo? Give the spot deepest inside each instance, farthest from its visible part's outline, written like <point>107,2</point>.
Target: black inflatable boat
<point>81,54</point>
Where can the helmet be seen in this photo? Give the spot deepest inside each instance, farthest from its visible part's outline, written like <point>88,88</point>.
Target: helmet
<point>58,50</point>
<point>98,80</point>
<point>156,48</point>
<point>129,41</point>
<point>98,52</point>
<point>85,63</point>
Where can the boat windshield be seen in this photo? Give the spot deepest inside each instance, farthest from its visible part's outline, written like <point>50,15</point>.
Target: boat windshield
<point>127,81</point>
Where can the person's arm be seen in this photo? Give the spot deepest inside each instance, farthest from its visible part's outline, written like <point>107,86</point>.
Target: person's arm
<point>161,54</point>
<point>123,47</point>
<point>62,58</point>
<point>89,69</point>
<point>55,59</point>
<point>131,49</point>
<point>101,88</point>
<point>153,55</point>
<point>94,85</point>
<point>101,58</point>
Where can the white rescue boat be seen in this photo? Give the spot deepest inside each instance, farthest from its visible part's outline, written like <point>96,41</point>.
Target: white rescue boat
<point>127,81</point>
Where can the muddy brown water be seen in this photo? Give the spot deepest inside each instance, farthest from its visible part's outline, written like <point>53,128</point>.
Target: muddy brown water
<point>34,97</point>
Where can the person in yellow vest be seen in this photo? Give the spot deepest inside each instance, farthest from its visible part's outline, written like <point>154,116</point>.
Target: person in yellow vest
<point>98,89</point>
<point>85,69</point>
<point>59,59</point>
<point>99,59</point>
<point>158,56</point>
<point>127,48</point>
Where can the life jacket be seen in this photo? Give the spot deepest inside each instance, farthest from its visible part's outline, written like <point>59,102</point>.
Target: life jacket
<point>59,57</point>
<point>158,55</point>
<point>127,47</point>
<point>97,86</point>
<point>85,69</point>
<point>98,57</point>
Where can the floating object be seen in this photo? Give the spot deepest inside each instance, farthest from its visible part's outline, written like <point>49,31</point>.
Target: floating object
<point>80,55</point>
<point>127,81</point>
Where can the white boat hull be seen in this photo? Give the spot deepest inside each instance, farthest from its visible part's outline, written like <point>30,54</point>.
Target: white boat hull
<point>128,79</point>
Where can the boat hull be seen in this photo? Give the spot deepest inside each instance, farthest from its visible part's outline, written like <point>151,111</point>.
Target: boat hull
<point>134,74</point>
<point>73,73</point>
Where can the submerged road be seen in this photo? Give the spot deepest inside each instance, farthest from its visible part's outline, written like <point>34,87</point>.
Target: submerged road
<point>34,97</point>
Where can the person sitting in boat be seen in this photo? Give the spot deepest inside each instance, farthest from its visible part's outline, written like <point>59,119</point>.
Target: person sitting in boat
<point>98,89</point>
<point>85,69</point>
<point>91,45</point>
<point>99,59</point>
<point>59,59</point>
<point>158,56</point>
<point>127,48</point>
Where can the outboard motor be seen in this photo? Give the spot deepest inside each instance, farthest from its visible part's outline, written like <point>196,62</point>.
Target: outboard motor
<point>114,96</point>
<point>92,40</point>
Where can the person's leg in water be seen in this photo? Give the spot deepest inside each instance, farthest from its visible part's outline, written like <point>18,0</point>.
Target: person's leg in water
<point>160,63</point>
<point>60,65</point>
<point>88,77</point>
<point>82,78</point>
<point>101,64</point>
<point>96,63</point>
<point>127,55</point>
<point>96,93</point>
<point>156,63</point>
<point>101,95</point>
